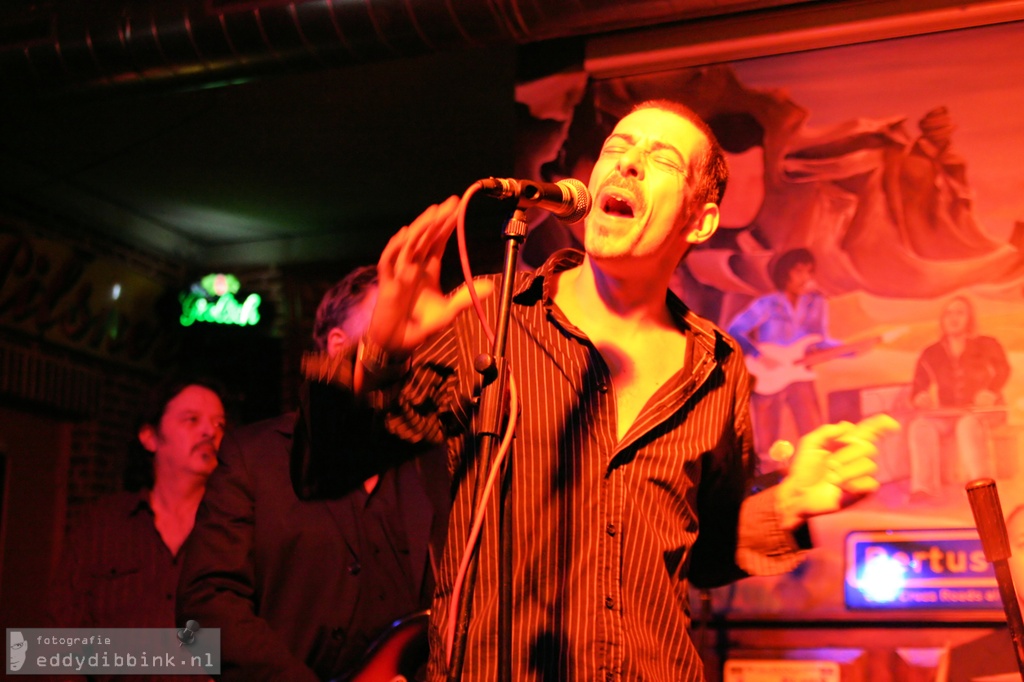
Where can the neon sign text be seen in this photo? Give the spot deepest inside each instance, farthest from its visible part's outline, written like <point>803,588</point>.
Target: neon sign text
<point>212,299</point>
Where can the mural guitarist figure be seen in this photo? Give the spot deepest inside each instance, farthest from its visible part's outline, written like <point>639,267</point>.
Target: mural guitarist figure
<point>778,332</point>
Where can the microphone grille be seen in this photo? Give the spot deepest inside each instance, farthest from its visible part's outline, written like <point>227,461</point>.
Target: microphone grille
<point>582,200</point>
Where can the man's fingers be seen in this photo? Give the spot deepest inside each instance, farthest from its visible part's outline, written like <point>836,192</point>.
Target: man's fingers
<point>436,231</point>
<point>841,434</point>
<point>431,250</point>
<point>451,209</point>
<point>862,439</point>
<point>823,436</point>
<point>862,485</point>
<point>415,234</point>
<point>835,463</point>
<point>877,425</point>
<point>460,298</point>
<point>441,310</point>
<point>425,242</point>
<point>386,262</point>
<point>420,232</point>
<point>851,449</point>
<point>842,472</point>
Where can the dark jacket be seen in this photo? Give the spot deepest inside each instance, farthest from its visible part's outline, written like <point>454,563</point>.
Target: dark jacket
<point>275,572</point>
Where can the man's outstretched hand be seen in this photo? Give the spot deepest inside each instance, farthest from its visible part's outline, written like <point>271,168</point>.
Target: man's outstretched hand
<point>410,304</point>
<point>834,466</point>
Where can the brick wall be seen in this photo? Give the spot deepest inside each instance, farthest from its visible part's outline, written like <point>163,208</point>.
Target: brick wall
<point>96,398</point>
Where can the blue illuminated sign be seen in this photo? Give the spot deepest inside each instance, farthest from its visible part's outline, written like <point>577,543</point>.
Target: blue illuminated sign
<point>919,569</point>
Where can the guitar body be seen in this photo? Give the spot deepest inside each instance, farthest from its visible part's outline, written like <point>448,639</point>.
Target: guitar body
<point>789,369</point>
<point>794,362</point>
<point>398,655</point>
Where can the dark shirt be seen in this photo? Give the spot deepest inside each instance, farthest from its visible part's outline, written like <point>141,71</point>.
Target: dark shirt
<point>116,572</point>
<point>607,533</point>
<point>381,547</point>
<point>285,578</point>
<point>982,366</point>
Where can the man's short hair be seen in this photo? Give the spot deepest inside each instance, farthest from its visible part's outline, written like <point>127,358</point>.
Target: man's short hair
<point>339,301</point>
<point>785,264</point>
<point>713,170</point>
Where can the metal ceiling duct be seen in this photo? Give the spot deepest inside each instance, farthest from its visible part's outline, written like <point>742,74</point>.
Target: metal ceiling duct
<point>72,45</point>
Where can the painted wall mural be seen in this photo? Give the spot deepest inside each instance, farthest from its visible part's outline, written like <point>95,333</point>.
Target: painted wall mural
<point>891,170</point>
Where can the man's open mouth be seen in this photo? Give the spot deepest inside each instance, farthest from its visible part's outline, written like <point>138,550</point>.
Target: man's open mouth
<point>615,206</point>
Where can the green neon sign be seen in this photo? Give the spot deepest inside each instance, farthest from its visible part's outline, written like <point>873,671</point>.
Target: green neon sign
<point>212,299</point>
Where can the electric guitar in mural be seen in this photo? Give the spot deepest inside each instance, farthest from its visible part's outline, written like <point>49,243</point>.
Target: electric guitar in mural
<point>788,364</point>
<point>398,655</point>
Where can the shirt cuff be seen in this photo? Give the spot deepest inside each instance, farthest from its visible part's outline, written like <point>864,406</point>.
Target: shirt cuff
<point>764,547</point>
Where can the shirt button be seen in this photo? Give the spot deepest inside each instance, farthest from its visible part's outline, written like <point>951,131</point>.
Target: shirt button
<point>610,529</point>
<point>603,387</point>
<point>354,568</point>
<point>609,603</point>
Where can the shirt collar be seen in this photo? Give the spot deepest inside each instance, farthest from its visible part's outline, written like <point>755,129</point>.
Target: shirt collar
<point>537,286</point>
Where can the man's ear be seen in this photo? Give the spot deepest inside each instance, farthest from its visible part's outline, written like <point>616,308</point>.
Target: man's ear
<point>148,437</point>
<point>336,338</point>
<point>705,224</point>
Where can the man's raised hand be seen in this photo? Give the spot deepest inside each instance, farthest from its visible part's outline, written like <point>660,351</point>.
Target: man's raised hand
<point>833,467</point>
<point>410,304</point>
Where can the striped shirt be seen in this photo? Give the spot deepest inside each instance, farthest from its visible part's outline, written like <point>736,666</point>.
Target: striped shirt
<point>116,572</point>
<point>606,534</point>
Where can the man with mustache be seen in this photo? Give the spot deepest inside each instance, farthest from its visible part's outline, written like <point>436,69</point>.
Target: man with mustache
<point>121,564</point>
<point>633,450</point>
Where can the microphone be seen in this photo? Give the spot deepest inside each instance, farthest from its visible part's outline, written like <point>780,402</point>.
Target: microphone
<point>568,200</point>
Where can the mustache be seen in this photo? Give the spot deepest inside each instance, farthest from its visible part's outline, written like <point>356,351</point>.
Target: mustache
<point>205,443</point>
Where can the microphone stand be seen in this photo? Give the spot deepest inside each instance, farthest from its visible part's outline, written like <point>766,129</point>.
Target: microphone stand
<point>494,369</point>
<point>988,517</point>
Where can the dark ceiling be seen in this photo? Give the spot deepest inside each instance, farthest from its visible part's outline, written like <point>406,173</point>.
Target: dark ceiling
<point>278,149</point>
<point>283,168</point>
